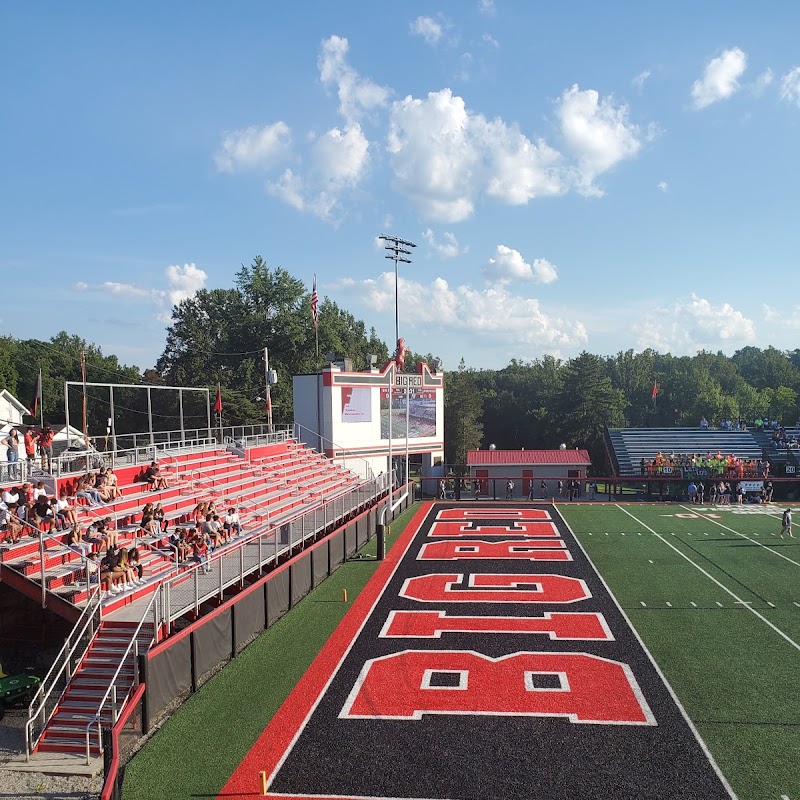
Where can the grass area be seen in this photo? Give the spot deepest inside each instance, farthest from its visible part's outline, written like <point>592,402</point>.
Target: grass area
<point>199,747</point>
<point>715,596</point>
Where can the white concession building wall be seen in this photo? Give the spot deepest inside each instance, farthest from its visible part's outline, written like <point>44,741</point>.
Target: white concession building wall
<point>346,414</point>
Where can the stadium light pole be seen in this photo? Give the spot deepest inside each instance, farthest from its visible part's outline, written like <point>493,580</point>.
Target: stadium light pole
<point>396,251</point>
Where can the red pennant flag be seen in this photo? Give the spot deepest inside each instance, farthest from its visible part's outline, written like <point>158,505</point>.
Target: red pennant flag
<point>218,401</point>
<point>655,390</point>
<point>269,403</point>
<point>34,409</point>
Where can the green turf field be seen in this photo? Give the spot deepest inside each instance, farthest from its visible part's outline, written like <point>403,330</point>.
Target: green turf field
<point>714,594</point>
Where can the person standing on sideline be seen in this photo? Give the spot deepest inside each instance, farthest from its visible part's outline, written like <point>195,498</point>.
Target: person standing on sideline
<point>509,489</point>
<point>543,488</point>
<point>530,489</point>
<point>442,490</point>
<point>561,488</point>
<point>786,523</point>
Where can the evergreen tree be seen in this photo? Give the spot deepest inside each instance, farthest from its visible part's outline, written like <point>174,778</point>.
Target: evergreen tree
<point>463,408</point>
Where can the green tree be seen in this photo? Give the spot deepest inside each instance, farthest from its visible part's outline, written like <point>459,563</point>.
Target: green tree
<point>463,408</point>
<point>587,404</point>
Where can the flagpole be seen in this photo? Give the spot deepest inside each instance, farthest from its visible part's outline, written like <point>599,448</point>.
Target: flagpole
<point>219,414</point>
<point>41,401</point>
<point>269,397</point>
<point>315,314</point>
<point>85,421</point>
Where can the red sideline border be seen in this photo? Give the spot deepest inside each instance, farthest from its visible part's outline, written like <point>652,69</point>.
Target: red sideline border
<point>269,750</point>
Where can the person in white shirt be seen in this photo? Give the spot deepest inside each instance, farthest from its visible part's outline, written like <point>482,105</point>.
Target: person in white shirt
<point>11,496</point>
<point>231,524</point>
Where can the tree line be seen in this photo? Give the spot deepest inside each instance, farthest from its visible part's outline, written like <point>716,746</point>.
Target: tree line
<point>218,336</point>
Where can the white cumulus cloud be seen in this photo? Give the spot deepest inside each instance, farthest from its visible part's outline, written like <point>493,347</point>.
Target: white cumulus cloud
<point>693,324</point>
<point>446,247</point>
<point>790,86</point>
<point>254,147</point>
<point>508,265</point>
<point>339,160</point>
<point>445,157</point>
<point>487,8</point>
<point>340,157</point>
<point>492,314</point>
<point>357,95</point>
<point>663,186</point>
<point>597,132</point>
<point>785,318</point>
<point>428,28</point>
<point>184,281</point>
<point>720,78</point>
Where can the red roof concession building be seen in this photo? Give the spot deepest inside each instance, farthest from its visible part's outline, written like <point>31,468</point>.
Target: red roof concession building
<point>492,468</point>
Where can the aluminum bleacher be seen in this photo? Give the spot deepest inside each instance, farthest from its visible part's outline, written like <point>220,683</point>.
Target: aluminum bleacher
<point>286,495</point>
<point>631,445</point>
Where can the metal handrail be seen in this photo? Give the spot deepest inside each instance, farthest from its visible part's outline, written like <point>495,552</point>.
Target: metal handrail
<point>309,524</point>
<point>64,657</point>
<point>368,472</point>
<point>112,687</point>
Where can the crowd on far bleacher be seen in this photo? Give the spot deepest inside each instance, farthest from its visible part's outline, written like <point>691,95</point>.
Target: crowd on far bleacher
<point>710,465</point>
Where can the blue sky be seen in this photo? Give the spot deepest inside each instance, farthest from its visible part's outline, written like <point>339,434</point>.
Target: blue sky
<point>575,175</point>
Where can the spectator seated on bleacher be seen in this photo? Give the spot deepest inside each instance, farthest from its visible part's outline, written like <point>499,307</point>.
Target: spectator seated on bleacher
<point>102,534</point>
<point>76,541</point>
<point>148,526</point>
<point>703,424</point>
<point>200,511</point>
<point>699,466</point>
<point>64,510</point>
<point>154,479</point>
<point>200,552</point>
<point>231,524</point>
<point>86,490</point>
<point>179,542</point>
<point>43,515</point>
<point>212,529</point>
<point>10,528</point>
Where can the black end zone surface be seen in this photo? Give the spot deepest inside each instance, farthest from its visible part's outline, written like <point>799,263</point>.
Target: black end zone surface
<point>482,757</point>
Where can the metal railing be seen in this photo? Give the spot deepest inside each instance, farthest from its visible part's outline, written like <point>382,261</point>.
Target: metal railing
<point>355,463</point>
<point>178,438</point>
<point>188,590</point>
<point>277,436</point>
<point>117,693</point>
<point>55,682</point>
<point>72,462</point>
<point>15,472</point>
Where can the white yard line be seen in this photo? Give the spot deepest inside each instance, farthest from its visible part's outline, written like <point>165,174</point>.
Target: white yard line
<point>660,674</point>
<point>722,586</point>
<point>745,536</point>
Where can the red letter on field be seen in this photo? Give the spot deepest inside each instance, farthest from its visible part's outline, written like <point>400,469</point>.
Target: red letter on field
<point>531,530</point>
<point>437,588</point>
<point>512,514</point>
<point>579,686</point>
<point>464,548</point>
<point>559,625</point>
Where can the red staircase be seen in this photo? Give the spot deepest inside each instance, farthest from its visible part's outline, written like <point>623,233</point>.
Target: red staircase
<point>80,705</point>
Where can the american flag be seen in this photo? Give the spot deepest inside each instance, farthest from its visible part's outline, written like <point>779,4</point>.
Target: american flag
<point>314,302</point>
